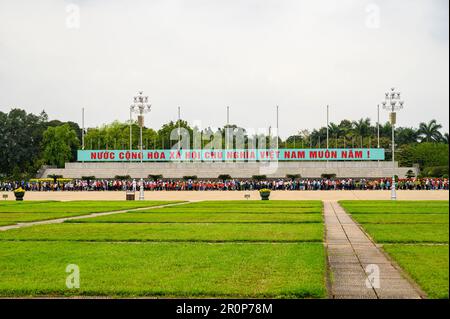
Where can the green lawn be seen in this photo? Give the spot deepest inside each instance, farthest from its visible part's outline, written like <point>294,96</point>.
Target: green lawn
<point>396,207</point>
<point>408,233</point>
<point>404,227</point>
<point>83,207</point>
<point>203,217</point>
<point>208,249</point>
<point>392,218</point>
<point>426,264</point>
<point>3,223</point>
<point>216,270</point>
<point>203,232</point>
<point>12,212</point>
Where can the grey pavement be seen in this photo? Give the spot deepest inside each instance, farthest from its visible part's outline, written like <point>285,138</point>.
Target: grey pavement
<point>359,269</point>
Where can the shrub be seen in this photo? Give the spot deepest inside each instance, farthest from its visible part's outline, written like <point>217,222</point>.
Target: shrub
<point>328,175</point>
<point>155,177</point>
<point>193,177</point>
<point>293,176</point>
<point>122,177</point>
<point>88,178</point>
<point>224,177</point>
<point>436,171</point>
<point>410,173</point>
<point>259,177</point>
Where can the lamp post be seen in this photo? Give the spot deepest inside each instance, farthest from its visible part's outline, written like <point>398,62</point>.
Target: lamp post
<point>378,125</point>
<point>140,106</point>
<point>328,124</point>
<point>278,128</point>
<point>393,103</point>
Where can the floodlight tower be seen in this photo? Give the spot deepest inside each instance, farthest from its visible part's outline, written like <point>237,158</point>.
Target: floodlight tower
<point>393,103</point>
<point>141,106</point>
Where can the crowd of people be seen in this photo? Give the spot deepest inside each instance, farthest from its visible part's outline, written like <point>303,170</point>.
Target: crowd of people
<point>229,185</point>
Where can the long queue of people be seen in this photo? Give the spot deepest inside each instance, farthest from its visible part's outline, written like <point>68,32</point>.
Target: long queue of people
<point>230,185</point>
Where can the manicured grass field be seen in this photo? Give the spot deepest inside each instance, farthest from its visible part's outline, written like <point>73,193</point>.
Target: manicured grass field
<point>396,207</point>
<point>209,249</point>
<point>414,233</point>
<point>12,212</point>
<point>223,212</point>
<point>218,270</point>
<point>203,217</point>
<point>194,232</point>
<point>408,233</point>
<point>428,265</point>
<point>6,223</point>
<point>74,206</point>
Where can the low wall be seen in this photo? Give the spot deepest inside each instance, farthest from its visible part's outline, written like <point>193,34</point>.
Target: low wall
<point>369,169</point>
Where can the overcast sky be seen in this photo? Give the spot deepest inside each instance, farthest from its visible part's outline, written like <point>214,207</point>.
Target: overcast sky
<point>203,55</point>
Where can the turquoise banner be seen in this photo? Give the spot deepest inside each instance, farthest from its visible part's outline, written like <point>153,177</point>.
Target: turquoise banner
<point>332,154</point>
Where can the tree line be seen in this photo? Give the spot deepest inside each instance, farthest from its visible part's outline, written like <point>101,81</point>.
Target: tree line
<point>28,141</point>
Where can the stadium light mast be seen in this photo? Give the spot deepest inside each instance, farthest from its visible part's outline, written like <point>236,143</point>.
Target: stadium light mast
<point>328,125</point>
<point>141,106</point>
<point>179,128</point>
<point>378,125</point>
<point>278,128</point>
<point>82,129</point>
<point>392,104</point>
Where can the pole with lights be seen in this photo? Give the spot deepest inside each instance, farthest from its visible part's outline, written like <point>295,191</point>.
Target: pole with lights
<point>328,125</point>
<point>141,106</point>
<point>393,103</point>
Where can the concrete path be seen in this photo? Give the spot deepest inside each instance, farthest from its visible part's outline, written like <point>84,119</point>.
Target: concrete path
<point>359,269</point>
<point>239,195</point>
<point>63,219</point>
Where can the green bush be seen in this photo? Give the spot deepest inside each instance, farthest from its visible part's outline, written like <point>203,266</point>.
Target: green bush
<point>224,177</point>
<point>410,173</point>
<point>193,177</point>
<point>155,177</point>
<point>293,176</point>
<point>88,178</point>
<point>328,175</point>
<point>435,171</point>
<point>123,177</point>
<point>259,177</point>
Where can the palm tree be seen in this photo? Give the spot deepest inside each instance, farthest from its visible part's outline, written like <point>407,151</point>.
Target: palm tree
<point>406,135</point>
<point>430,132</point>
<point>334,130</point>
<point>362,127</point>
<point>445,138</point>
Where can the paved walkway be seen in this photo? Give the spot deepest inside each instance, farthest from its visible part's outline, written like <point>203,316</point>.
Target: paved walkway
<point>62,220</point>
<point>355,262</point>
<point>239,195</point>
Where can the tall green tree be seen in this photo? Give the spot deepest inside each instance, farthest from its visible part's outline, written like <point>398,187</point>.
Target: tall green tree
<point>429,132</point>
<point>57,144</point>
<point>170,139</point>
<point>20,139</point>
<point>362,127</point>
<point>406,135</point>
